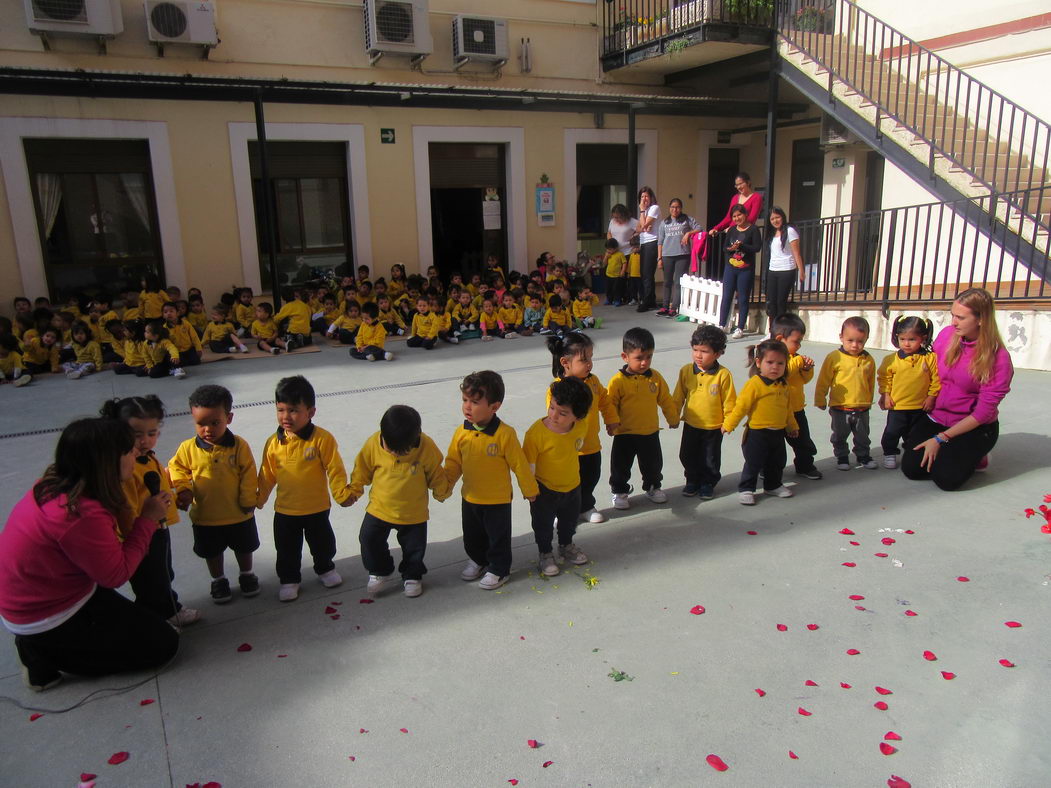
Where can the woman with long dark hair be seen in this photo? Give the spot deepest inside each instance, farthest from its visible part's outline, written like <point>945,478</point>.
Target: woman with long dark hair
<point>742,242</point>
<point>784,263</point>
<point>649,216</point>
<point>68,543</point>
<point>673,253</point>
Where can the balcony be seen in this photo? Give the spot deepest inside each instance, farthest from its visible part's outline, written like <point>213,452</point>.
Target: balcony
<point>664,36</point>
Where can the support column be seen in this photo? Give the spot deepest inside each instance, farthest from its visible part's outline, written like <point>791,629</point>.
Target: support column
<point>268,213</point>
<point>771,123</point>
<point>633,164</point>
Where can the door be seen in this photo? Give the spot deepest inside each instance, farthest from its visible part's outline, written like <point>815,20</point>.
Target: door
<point>602,182</point>
<point>808,173</point>
<point>869,226</point>
<point>723,166</point>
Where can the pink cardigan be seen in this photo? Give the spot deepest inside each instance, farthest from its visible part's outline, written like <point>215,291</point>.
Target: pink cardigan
<point>754,206</point>
<point>961,395</point>
<point>50,560</point>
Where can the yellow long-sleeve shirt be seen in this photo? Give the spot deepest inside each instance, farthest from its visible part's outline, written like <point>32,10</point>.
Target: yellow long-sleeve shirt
<point>371,336</point>
<point>765,403</point>
<point>704,397</point>
<point>553,455</point>
<point>582,307</point>
<point>399,484</point>
<point>198,320</point>
<point>797,377</point>
<point>465,314</point>
<point>300,464</point>
<point>392,316</point>
<point>184,336</point>
<point>157,352</point>
<point>134,353</point>
<point>445,321</point>
<point>263,329</point>
<point>559,318</point>
<point>218,332</point>
<point>298,314</point>
<point>136,492</point>
<point>600,403</point>
<point>846,381</point>
<point>488,321</point>
<point>88,353</point>
<point>511,317</point>
<point>636,399</point>
<point>615,265</point>
<point>486,458</point>
<point>98,327</point>
<point>909,379</point>
<point>150,304</point>
<point>425,326</point>
<point>345,323</point>
<point>36,352</point>
<point>222,477</point>
<point>244,314</point>
<point>11,362</point>
<point>132,313</point>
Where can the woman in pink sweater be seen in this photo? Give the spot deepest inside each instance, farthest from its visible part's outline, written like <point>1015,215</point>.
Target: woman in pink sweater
<point>68,543</point>
<point>975,369</point>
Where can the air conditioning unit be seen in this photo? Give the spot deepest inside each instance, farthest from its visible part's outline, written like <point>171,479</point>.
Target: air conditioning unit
<point>181,22</point>
<point>479,38</point>
<point>835,133</point>
<point>397,27</point>
<point>97,18</point>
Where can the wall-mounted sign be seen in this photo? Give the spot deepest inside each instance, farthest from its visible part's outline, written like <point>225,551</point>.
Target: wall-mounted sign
<point>387,136</point>
<point>545,204</point>
<point>839,163</point>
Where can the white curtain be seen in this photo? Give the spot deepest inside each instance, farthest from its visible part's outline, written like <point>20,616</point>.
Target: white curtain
<point>135,188</point>
<point>49,190</point>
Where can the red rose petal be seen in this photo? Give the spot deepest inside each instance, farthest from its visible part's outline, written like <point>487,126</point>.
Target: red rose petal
<point>87,777</point>
<point>717,763</point>
<point>545,764</point>
<point>118,757</point>
<point>697,610</point>
<point>948,676</point>
<point>334,616</point>
<point>930,656</point>
<point>898,782</point>
<point>846,532</point>
<point>851,564</point>
<point>146,701</point>
<point>963,579</point>
<point>244,647</point>
<point>760,692</point>
<point>856,544</point>
<point>887,749</point>
<point>782,628</point>
<point>910,532</point>
<point>282,656</point>
<point>366,601</point>
<point>883,691</point>
<point>844,685</point>
<point>810,683</point>
<point>35,717</point>
<point>521,637</point>
<point>911,613</point>
<point>803,712</point>
<point>533,743</point>
<point>1007,663</point>
<point>881,705</point>
<point>881,555</point>
<point>403,730</point>
<point>853,652</point>
<point>337,604</point>
<point>887,541</point>
<point>362,730</point>
<point>858,607</point>
<point>752,533</point>
<point>812,627</point>
<point>212,785</point>
<point>856,597</point>
<point>351,757</point>
<point>329,610</point>
<point>1012,624</point>
<point>793,756</point>
<point>891,736</point>
<point>513,781</point>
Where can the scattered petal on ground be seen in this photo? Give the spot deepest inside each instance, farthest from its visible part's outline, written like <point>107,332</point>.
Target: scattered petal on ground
<point>898,782</point>
<point>881,555</point>
<point>330,610</point>
<point>697,610</point>
<point>881,705</point>
<point>859,607</point>
<point>1012,624</point>
<point>351,757</point>
<point>334,616</point>
<point>911,613</point>
<point>533,743</point>
<point>812,627</point>
<point>782,628</point>
<point>887,540</point>
<point>751,533</point>
<point>856,544</point>
<point>513,781</point>
<point>810,683</point>
<point>910,532</point>
<point>366,601</point>
<point>963,579</point>
<point>883,691</point>
<point>760,692</point>
<point>887,749</point>
<point>118,757</point>
<point>362,730</point>
<point>851,564</point>
<point>803,712</point>
<point>717,763</point>
<point>404,730</point>
<point>844,685</point>
<point>793,756</point>
<point>245,647</point>
<point>856,597</point>
<point>35,717</point>
<point>545,764</point>
<point>146,701</point>
<point>948,676</point>
<point>846,532</point>
<point>337,604</point>
<point>930,656</point>
<point>891,736</point>
<point>87,777</point>
<point>282,656</point>
<point>1007,663</point>
<point>853,652</point>
<point>521,637</point>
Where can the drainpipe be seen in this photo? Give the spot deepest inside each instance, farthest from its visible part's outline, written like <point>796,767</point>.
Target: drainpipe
<point>268,215</point>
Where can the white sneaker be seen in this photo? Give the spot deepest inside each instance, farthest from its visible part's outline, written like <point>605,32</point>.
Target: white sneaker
<point>594,516</point>
<point>288,591</point>
<point>620,501</point>
<point>780,492</point>
<point>548,566</point>
<point>890,461</point>
<point>232,349</point>
<point>413,588</point>
<point>843,466</point>
<point>454,340</point>
<point>376,583</point>
<point>330,579</point>
<point>243,349</point>
<point>274,351</point>
<point>471,571</point>
<point>488,338</point>
<point>185,617</point>
<point>738,333</point>
<point>869,465</point>
<point>22,380</point>
<point>657,495</point>
<point>73,374</point>
<point>388,356</point>
<point>179,373</point>
<point>746,498</point>
<point>370,357</point>
<point>491,581</point>
<point>510,335</point>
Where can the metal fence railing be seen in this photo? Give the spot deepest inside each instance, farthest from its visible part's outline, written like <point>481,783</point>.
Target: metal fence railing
<point>627,24</point>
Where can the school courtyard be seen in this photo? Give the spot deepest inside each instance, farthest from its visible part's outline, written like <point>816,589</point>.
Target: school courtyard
<point>768,636</point>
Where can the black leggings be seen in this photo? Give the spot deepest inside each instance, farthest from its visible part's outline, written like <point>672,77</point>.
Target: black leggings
<point>648,267</point>
<point>956,459</point>
<point>674,268</point>
<point>779,285</point>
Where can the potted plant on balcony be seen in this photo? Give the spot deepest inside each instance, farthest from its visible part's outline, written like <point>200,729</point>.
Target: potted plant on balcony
<point>750,12</point>
<point>813,19</point>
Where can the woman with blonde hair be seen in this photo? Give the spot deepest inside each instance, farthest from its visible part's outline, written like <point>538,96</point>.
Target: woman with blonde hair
<point>975,369</point>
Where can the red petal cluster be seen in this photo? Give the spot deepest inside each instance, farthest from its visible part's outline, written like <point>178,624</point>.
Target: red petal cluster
<point>881,705</point>
<point>782,628</point>
<point>853,652</point>
<point>1007,663</point>
<point>245,647</point>
<point>883,691</point>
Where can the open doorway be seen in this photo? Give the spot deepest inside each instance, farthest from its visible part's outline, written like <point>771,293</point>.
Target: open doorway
<point>723,166</point>
<point>808,174</point>
<point>602,182</point>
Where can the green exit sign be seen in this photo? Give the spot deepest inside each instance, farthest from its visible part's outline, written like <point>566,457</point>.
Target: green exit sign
<point>387,136</point>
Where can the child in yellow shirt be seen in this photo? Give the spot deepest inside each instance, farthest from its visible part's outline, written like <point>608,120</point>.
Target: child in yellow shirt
<point>510,315</point>
<point>87,353</point>
<point>424,331</point>
<point>556,318</point>
<point>583,304</point>
<point>244,312</point>
<point>847,382</point>
<point>368,344</point>
<point>220,334</point>
<point>464,314</point>
<point>297,312</point>
<point>11,367</point>
<point>908,382</point>
<point>791,329</point>
<point>389,317</point>
<point>615,268</point>
<point>151,299</point>
<point>182,335</point>
<point>162,357</point>
<point>346,326</point>
<point>634,275</point>
<point>264,329</point>
<point>197,317</point>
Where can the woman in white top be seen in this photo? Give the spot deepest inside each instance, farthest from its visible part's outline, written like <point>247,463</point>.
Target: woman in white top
<point>621,228</point>
<point>784,263</point>
<point>649,215</point>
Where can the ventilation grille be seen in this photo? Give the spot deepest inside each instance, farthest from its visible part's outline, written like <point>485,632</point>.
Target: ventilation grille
<point>394,24</point>
<point>479,36</point>
<point>60,11</point>
<point>168,19</point>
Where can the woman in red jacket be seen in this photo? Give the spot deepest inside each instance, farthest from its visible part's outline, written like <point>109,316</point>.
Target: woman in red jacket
<point>61,557</point>
<point>747,197</point>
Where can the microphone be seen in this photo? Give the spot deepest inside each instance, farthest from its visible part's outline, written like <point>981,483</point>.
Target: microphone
<point>152,480</point>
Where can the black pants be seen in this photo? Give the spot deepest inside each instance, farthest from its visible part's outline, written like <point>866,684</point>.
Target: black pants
<point>590,473</point>
<point>109,356</point>
<point>764,450</point>
<point>189,358</point>
<point>551,506</point>
<point>375,553</point>
<point>152,581</point>
<point>346,337</point>
<point>289,532</point>
<point>651,462</point>
<point>487,535</point>
<point>161,369</point>
<point>40,369</point>
<point>737,280</point>
<point>674,267</point>
<point>779,286</point>
<point>368,350</point>
<point>700,453</point>
<point>121,369</point>
<point>956,459</point>
<point>615,288</point>
<point>217,346</point>
<point>417,341</point>
<point>648,268</point>
<point>634,289</point>
<point>803,444</point>
<point>109,634</point>
<point>899,425</point>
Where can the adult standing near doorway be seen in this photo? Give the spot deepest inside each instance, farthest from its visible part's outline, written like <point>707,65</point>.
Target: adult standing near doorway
<point>61,557</point>
<point>622,228</point>
<point>784,263</point>
<point>746,196</point>
<point>955,438</point>
<point>742,242</point>
<point>649,216</point>
<point>673,253</point>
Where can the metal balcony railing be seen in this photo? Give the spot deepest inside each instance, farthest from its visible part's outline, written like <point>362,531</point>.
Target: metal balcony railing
<point>627,24</point>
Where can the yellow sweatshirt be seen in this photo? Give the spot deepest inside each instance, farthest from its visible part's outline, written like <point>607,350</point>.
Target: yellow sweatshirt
<point>399,484</point>
<point>131,313</point>
<point>218,332</point>
<point>198,320</point>
<point>599,404</point>
<point>765,403</point>
<point>136,492</point>
<point>847,381</point>
<point>11,362</point>
<point>635,264</point>
<point>157,352</point>
<point>222,477</point>
<point>797,377</point>
<point>488,321</point>
<point>264,330</point>
<point>392,316</point>
<point>582,307</point>
<point>909,379</point>
<point>244,314</point>
<point>486,458</point>
<point>299,464</point>
<point>636,399</point>
<point>345,323</point>
<point>615,264</point>
<point>553,456</point>
<point>150,304</point>
<point>36,352</point>
<point>88,353</point>
<point>298,314</point>
<point>425,326</point>
<point>705,397</point>
<point>511,317</point>
<point>134,353</point>
<point>465,314</point>
<point>184,336</point>
<point>559,318</point>
<point>98,328</point>
<point>371,336</point>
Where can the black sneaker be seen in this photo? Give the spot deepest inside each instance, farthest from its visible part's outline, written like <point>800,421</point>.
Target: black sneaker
<point>221,591</point>
<point>706,492</point>
<point>40,679</point>
<point>690,490</point>
<point>811,473</point>
<point>249,584</point>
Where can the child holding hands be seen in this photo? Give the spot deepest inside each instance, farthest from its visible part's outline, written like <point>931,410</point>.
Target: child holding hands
<point>908,382</point>
<point>846,382</point>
